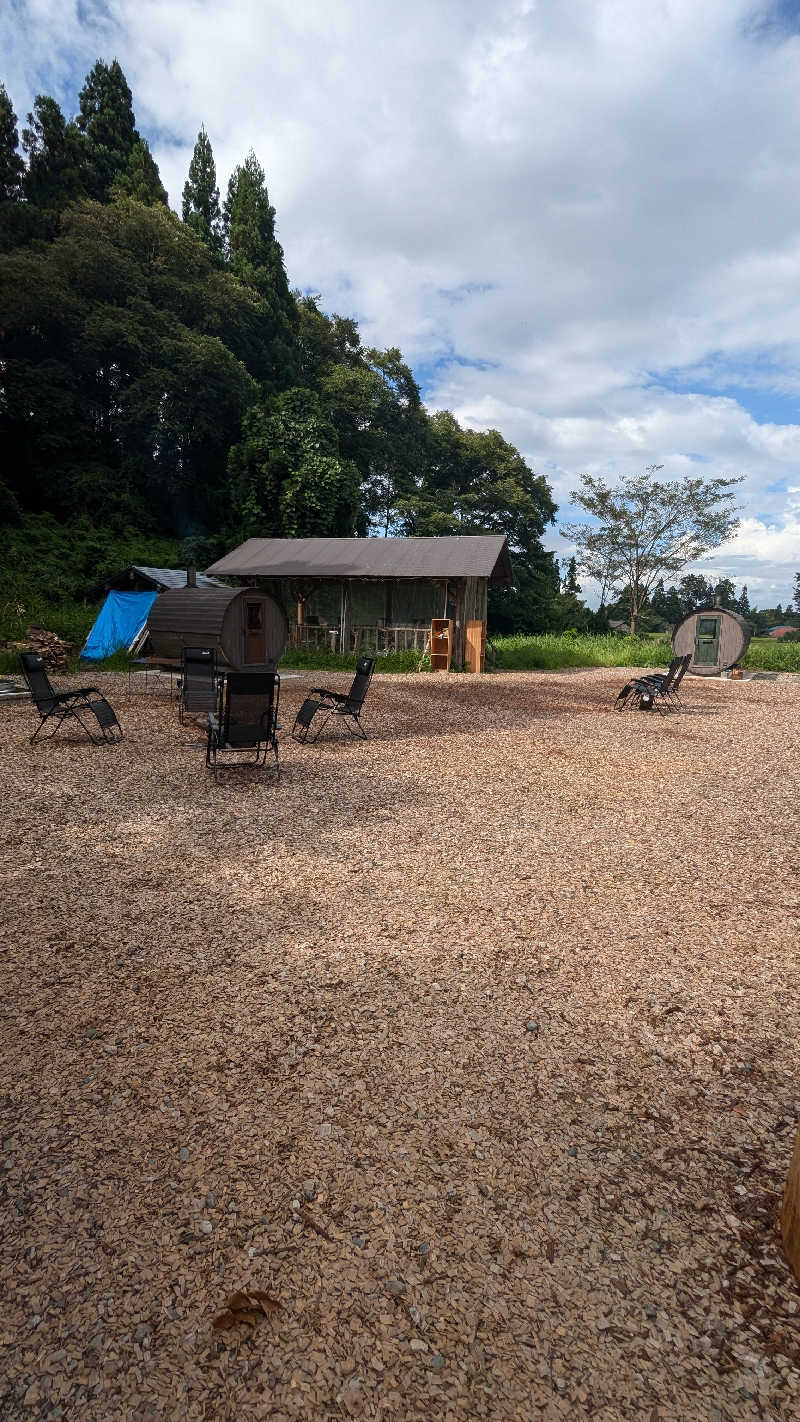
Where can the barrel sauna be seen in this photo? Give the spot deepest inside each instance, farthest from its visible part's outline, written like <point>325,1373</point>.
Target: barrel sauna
<point>717,640</point>
<point>246,627</point>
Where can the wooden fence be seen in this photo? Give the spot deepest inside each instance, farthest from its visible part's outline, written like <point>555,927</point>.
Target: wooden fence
<point>381,639</point>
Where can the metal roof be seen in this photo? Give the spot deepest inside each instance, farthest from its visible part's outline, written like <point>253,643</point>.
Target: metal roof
<point>475,556</point>
<point>173,577</point>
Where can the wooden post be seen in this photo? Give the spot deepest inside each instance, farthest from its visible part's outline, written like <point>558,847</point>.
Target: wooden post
<point>344,624</point>
<point>460,625</point>
<point>299,612</point>
<point>790,1212</point>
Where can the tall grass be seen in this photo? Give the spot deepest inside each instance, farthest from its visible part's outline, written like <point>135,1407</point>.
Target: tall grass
<point>550,651</point>
<point>322,659</point>
<point>768,654</point>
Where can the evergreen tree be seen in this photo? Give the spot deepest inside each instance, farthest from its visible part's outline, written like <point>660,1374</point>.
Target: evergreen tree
<point>141,180</point>
<point>743,603</point>
<point>796,598</point>
<point>11,164</point>
<point>56,160</point>
<point>256,257</point>
<point>201,208</point>
<point>570,584</point>
<point>725,591</point>
<point>107,122</point>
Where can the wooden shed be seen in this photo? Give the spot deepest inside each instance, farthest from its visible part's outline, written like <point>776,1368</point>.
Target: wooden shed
<point>246,627</point>
<point>717,640</point>
<point>379,593</point>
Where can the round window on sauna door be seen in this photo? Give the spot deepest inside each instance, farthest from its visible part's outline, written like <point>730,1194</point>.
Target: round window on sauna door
<point>255,638</point>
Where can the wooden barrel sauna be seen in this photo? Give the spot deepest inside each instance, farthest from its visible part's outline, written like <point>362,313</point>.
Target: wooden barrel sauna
<point>246,627</point>
<point>716,639</point>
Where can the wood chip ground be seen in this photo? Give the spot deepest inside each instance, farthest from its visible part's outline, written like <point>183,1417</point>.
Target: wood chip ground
<point>455,1076</point>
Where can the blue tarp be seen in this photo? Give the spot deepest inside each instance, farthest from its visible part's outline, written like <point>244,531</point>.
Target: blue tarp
<point>121,617</point>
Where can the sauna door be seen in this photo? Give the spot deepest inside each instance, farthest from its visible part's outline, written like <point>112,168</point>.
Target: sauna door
<point>706,642</point>
<point>255,635</point>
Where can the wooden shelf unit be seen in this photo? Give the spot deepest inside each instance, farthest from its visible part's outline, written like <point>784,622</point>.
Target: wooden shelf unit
<point>441,643</point>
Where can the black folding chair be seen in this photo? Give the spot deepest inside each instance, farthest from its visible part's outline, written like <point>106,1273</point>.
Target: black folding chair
<point>346,707</point>
<point>198,686</point>
<point>668,688</point>
<point>61,706</point>
<point>247,722</point>
<point>642,691</point>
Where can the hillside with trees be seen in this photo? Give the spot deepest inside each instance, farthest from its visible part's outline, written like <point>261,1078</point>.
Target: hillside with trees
<point>165,394</point>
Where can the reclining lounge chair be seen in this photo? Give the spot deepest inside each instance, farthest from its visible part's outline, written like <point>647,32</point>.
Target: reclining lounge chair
<point>102,726</point>
<point>346,707</point>
<point>247,723</point>
<point>655,689</point>
<point>198,690</point>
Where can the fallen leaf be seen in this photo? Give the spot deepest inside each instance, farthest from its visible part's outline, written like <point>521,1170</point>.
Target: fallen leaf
<point>248,1307</point>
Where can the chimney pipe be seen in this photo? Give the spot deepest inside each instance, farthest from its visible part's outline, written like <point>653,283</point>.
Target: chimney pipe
<point>191,577</point>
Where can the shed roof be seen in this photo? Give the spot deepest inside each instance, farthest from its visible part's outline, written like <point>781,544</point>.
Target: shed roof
<point>473,556</point>
<point>173,577</point>
<point>158,578</point>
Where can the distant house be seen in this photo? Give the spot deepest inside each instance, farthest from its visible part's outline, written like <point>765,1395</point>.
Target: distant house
<point>138,578</point>
<point>376,592</point>
<point>781,631</point>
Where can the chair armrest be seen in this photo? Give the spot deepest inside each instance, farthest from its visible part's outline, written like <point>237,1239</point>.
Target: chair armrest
<point>328,695</point>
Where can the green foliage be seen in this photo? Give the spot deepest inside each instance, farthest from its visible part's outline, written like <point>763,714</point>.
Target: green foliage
<point>320,659</point>
<point>56,159</point>
<point>550,651</point>
<point>141,180</point>
<point>51,565</point>
<point>12,167</point>
<point>201,209</point>
<point>771,654</point>
<point>287,477</point>
<point>107,123</point>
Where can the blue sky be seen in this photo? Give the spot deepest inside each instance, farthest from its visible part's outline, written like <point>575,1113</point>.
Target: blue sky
<point>580,223</point>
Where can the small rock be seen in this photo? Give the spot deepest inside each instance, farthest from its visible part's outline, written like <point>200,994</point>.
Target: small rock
<point>91,1032</point>
<point>211,1201</point>
<point>396,1287</point>
<point>309,1189</point>
<point>359,1241</point>
<point>206,1226</point>
<point>143,1332</point>
<point>531,1026</point>
<point>650,1312</point>
<point>110,1047</point>
<point>424,1249</point>
<point>183,1154</point>
<point>437,1362</point>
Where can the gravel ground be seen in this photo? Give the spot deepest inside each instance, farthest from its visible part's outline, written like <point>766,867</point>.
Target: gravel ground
<point>473,1048</point>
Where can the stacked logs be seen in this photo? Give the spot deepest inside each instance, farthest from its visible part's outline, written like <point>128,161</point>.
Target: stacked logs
<point>51,648</point>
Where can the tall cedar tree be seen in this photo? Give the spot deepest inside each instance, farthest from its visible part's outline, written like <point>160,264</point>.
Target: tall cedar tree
<point>107,122</point>
<point>141,179</point>
<point>256,258</point>
<point>56,160</point>
<point>11,164</point>
<point>201,209</point>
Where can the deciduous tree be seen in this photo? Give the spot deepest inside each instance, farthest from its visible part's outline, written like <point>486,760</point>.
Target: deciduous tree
<point>645,528</point>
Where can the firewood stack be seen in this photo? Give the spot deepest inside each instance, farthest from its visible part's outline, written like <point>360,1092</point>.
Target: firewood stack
<point>53,651</point>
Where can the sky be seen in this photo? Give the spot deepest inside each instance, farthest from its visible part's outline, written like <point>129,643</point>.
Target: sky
<point>579,222</point>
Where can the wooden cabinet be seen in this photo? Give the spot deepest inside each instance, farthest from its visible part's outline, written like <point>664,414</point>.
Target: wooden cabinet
<point>476,646</point>
<point>441,643</point>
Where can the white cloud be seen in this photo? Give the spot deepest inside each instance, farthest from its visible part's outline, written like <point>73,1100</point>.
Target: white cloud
<point>612,191</point>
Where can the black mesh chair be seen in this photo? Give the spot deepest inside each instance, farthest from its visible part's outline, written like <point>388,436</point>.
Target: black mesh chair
<point>346,707</point>
<point>247,722</point>
<point>88,706</point>
<point>656,690</point>
<point>198,686</point>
